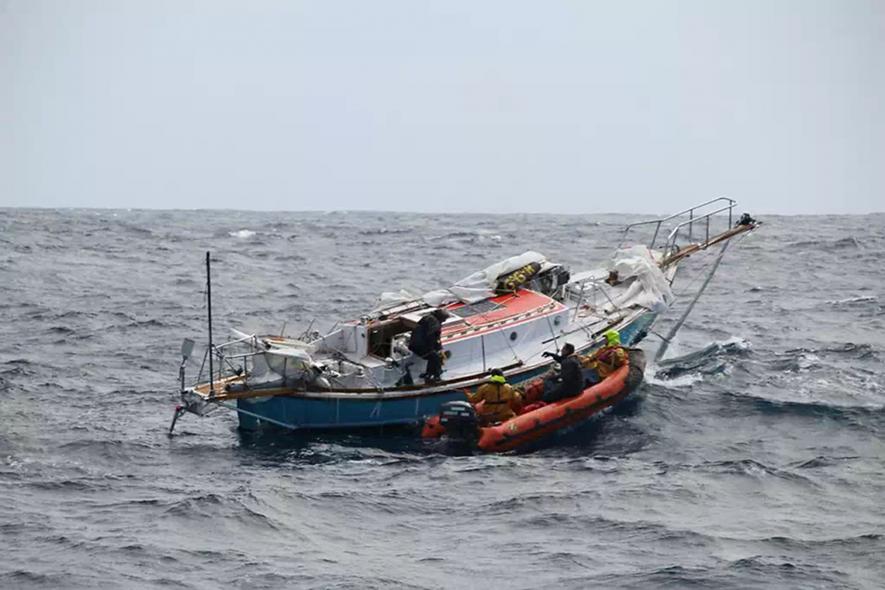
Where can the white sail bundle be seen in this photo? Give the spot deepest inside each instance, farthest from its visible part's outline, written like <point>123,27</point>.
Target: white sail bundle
<point>651,289</point>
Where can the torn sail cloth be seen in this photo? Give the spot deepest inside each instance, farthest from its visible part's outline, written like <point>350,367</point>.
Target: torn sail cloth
<point>636,273</point>
<point>481,285</point>
<point>651,288</point>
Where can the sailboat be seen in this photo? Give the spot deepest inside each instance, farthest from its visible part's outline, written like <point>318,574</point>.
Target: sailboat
<point>506,316</point>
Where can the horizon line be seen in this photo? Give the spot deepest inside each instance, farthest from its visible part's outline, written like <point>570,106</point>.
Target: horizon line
<point>405,211</point>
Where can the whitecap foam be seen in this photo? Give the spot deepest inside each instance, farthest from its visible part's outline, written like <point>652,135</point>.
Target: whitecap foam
<point>849,300</point>
<point>680,381</point>
<point>736,342</point>
<point>242,234</point>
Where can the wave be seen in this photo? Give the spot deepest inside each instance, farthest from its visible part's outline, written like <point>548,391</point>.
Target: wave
<point>213,506</point>
<point>835,244</point>
<point>862,540</point>
<point>48,314</point>
<point>860,302</point>
<point>19,577</point>
<point>729,575</point>
<point>132,229</point>
<point>858,299</point>
<point>750,467</point>
<point>850,349</point>
<point>853,300</point>
<point>672,379</point>
<point>66,485</point>
<point>795,363</point>
<point>60,330</point>
<point>242,234</point>
<point>112,450</point>
<point>757,571</point>
<point>134,323</point>
<point>821,461</point>
<point>195,504</point>
<point>386,231</point>
<point>857,414</point>
<point>18,367</point>
<point>291,256</point>
<point>471,236</point>
<point>710,360</point>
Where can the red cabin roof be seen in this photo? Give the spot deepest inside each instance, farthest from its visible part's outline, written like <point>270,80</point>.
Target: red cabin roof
<point>469,319</point>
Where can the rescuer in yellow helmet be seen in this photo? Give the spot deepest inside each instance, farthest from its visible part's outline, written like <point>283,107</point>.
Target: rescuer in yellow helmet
<point>498,399</point>
<point>607,359</point>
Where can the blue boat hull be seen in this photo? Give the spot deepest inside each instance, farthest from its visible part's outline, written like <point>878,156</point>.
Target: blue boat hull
<point>351,412</point>
<point>340,412</point>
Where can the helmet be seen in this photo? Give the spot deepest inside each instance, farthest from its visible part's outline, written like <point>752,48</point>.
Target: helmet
<point>612,337</point>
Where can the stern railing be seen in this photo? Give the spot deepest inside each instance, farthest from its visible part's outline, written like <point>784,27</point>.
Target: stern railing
<point>242,349</point>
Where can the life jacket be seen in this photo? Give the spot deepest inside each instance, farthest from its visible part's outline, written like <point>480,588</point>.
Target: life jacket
<point>496,397</point>
<point>609,358</point>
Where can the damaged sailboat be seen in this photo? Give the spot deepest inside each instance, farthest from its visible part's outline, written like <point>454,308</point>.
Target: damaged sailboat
<point>362,373</point>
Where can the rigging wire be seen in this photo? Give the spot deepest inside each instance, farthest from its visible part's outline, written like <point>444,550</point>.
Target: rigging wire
<point>700,273</point>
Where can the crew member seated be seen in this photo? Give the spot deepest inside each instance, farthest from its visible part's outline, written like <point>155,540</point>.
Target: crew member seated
<point>498,398</point>
<point>426,343</point>
<point>605,361</point>
<point>571,380</point>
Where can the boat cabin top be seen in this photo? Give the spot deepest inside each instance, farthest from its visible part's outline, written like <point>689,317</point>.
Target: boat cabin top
<point>386,336</point>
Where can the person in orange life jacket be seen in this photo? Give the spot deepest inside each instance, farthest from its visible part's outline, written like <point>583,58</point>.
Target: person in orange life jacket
<point>607,359</point>
<point>425,342</point>
<point>571,381</point>
<point>498,399</point>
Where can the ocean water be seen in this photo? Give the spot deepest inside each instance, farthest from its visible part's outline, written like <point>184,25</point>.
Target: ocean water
<point>754,459</point>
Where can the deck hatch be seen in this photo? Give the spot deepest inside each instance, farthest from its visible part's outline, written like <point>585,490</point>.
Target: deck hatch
<point>477,308</point>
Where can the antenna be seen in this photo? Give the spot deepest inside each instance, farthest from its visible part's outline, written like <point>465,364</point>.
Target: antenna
<point>209,305</point>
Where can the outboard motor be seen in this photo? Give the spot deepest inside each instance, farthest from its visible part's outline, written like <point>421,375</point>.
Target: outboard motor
<point>460,420</point>
<point>637,368</point>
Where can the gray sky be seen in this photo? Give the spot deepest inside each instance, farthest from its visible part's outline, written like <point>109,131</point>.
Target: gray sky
<point>586,107</point>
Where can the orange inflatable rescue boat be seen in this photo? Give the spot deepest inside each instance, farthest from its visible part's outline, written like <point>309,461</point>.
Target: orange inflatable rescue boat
<point>458,420</point>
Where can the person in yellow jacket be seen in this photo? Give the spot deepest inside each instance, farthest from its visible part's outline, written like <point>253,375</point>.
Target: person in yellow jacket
<point>498,397</point>
<point>607,359</point>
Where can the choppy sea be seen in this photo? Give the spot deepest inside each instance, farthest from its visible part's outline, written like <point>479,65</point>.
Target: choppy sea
<point>754,459</point>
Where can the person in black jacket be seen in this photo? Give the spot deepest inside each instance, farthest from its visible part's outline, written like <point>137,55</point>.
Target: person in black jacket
<point>571,381</point>
<point>426,343</point>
